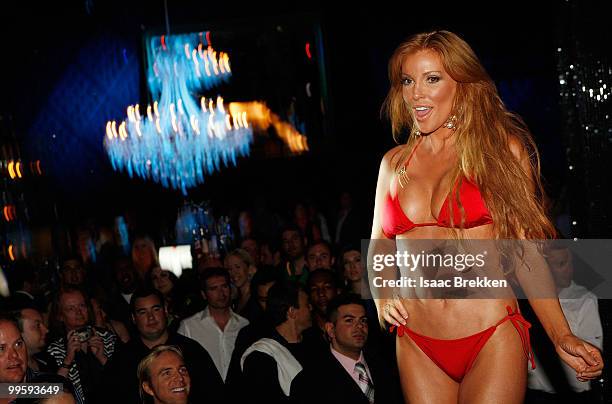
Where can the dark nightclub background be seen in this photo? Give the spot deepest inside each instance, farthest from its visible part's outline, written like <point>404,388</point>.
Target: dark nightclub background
<point>68,67</point>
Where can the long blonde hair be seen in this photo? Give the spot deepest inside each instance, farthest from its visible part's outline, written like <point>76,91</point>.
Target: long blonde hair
<point>483,133</point>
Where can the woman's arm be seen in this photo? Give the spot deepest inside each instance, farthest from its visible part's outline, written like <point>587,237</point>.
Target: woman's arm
<point>538,284</point>
<point>389,307</point>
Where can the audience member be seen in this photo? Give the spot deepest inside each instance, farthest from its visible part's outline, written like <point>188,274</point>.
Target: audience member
<point>350,228</point>
<point>251,246</point>
<point>217,326</point>
<point>262,282</point>
<point>345,373</point>
<point>245,224</point>
<point>102,321</point>
<point>241,269</point>
<point>309,228</point>
<point>34,332</point>
<point>272,366</point>
<point>182,296</point>
<point>319,256</point>
<point>144,255</point>
<point>353,270</point>
<point>318,219</point>
<point>293,245</point>
<point>22,284</point>
<point>13,364</point>
<point>125,282</point>
<point>163,377</point>
<point>13,352</point>
<point>84,350</point>
<point>581,310</point>
<point>72,272</point>
<point>162,280</point>
<point>270,253</point>
<point>322,288</point>
<point>150,317</point>
<point>260,327</point>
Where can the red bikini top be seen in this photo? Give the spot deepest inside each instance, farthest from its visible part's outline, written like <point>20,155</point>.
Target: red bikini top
<point>396,222</point>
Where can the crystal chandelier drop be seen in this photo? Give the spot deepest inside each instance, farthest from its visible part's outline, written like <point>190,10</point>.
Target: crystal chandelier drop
<point>178,140</point>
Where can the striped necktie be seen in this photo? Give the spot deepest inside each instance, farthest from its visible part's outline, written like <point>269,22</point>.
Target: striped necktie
<point>364,381</point>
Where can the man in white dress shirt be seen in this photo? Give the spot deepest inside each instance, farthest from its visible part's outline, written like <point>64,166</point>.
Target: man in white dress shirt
<point>581,311</point>
<point>217,326</point>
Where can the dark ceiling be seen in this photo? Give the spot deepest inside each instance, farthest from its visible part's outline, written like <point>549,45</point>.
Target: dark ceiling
<point>516,42</point>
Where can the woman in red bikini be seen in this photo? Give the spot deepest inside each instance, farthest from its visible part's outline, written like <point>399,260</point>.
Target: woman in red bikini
<point>469,170</point>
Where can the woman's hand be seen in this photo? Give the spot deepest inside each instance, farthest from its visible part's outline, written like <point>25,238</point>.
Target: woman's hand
<point>73,345</point>
<point>581,356</point>
<point>392,311</point>
<point>96,346</point>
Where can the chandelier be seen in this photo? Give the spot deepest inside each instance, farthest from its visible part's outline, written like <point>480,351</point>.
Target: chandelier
<point>179,139</point>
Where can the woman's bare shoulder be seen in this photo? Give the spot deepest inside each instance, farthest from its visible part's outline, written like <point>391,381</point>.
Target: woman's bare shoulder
<point>391,156</point>
<point>517,147</point>
<point>520,152</point>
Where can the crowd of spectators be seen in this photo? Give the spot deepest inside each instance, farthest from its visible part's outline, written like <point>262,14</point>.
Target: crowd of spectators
<point>282,319</point>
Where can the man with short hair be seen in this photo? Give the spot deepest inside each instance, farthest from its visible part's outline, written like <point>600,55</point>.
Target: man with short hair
<point>125,282</point>
<point>322,288</point>
<point>319,256</point>
<point>261,283</point>
<point>150,315</point>
<point>34,332</point>
<point>553,380</point>
<point>14,357</point>
<point>293,245</point>
<point>217,326</point>
<point>345,372</point>
<point>272,366</point>
<point>13,354</point>
<point>163,377</point>
<point>251,246</point>
<point>13,351</point>
<point>72,273</point>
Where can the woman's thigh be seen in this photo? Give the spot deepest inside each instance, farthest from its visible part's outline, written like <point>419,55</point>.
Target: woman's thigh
<point>499,374</point>
<point>421,379</point>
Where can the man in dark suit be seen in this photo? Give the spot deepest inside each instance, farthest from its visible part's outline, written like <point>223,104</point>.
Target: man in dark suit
<point>346,373</point>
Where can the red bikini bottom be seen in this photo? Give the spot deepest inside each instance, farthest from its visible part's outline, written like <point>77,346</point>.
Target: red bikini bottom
<point>456,356</point>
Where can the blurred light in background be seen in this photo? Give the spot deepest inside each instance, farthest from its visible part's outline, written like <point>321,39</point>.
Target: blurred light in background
<point>177,140</point>
<point>175,258</point>
<point>261,117</point>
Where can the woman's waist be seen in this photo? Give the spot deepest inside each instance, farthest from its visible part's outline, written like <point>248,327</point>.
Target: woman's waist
<point>455,318</point>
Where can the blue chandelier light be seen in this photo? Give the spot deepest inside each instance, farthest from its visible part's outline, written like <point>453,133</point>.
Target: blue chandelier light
<point>179,139</point>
